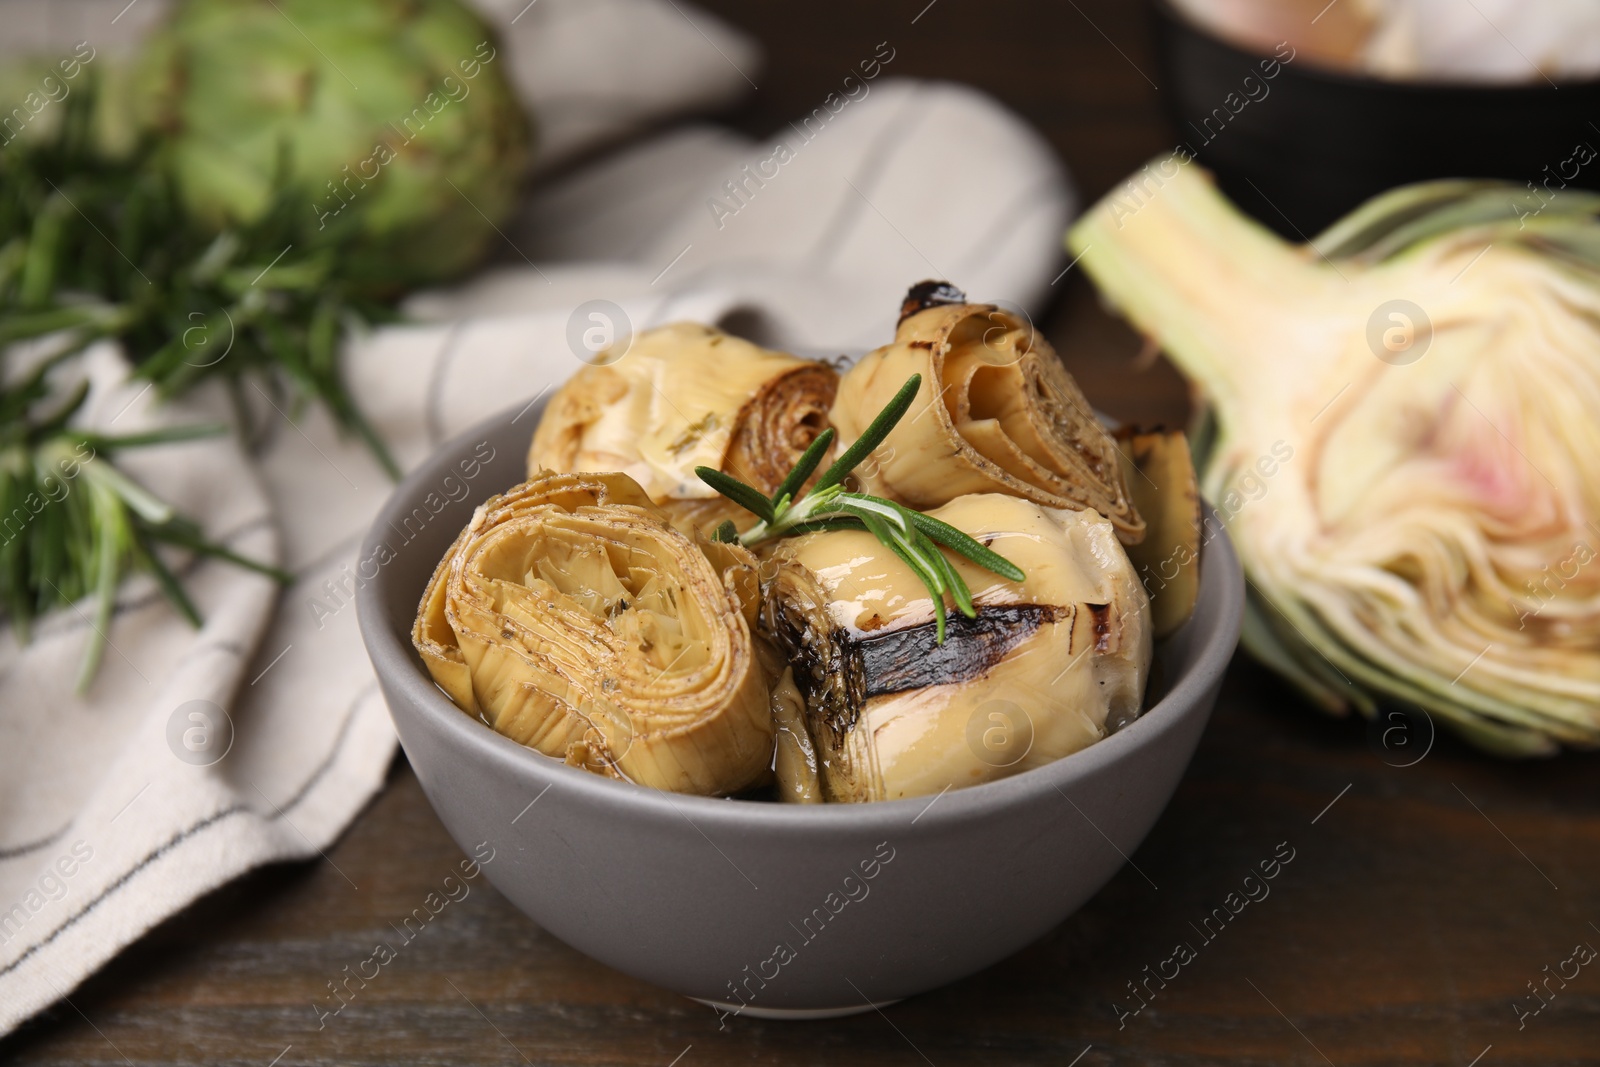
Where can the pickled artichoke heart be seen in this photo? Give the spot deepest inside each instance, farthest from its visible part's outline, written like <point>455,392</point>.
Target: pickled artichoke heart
<point>572,618</point>
<point>396,117</point>
<point>794,761</point>
<point>1409,448</point>
<point>1047,667</point>
<point>997,412</point>
<point>683,396</point>
<point>1162,479</point>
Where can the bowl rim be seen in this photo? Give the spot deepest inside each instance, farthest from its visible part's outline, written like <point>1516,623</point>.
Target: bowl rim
<point>400,668</point>
<point>1168,14</point>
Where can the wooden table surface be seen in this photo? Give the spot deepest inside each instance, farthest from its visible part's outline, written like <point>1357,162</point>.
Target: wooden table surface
<point>1421,902</point>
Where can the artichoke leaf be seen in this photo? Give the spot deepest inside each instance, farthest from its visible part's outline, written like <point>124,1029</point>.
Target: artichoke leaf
<point>794,763</point>
<point>1162,482</point>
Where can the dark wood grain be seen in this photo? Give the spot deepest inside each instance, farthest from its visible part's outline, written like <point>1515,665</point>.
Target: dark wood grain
<point>1416,908</point>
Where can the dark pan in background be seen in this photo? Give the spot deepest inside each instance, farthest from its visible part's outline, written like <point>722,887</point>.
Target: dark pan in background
<point>1320,142</point>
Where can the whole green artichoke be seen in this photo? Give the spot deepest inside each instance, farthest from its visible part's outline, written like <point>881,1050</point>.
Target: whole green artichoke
<point>396,118</point>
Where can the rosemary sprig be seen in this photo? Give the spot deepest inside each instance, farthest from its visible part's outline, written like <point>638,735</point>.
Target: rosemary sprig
<point>94,246</point>
<point>73,525</point>
<point>913,536</point>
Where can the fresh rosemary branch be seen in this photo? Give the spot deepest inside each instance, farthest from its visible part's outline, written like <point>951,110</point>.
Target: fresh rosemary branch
<point>911,535</point>
<point>93,246</point>
<point>72,524</point>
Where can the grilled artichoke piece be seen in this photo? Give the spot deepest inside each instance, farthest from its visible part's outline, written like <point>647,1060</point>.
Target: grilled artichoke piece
<point>1048,666</point>
<point>682,396</point>
<point>1166,491</point>
<point>997,413</point>
<point>572,618</point>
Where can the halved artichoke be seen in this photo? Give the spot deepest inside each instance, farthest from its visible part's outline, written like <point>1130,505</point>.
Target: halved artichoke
<point>1048,666</point>
<point>682,396</point>
<point>997,413</point>
<point>1408,437</point>
<point>571,617</point>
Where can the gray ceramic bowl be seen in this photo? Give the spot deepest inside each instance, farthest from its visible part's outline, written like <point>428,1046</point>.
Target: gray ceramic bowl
<point>760,907</point>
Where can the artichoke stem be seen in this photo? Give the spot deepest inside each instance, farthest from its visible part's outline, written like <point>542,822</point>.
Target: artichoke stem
<point>1191,271</point>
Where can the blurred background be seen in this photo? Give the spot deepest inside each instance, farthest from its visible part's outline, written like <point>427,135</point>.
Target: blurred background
<point>1408,920</point>
<point>1082,78</point>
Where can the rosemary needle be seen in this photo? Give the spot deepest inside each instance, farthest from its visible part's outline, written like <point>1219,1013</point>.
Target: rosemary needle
<point>73,525</point>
